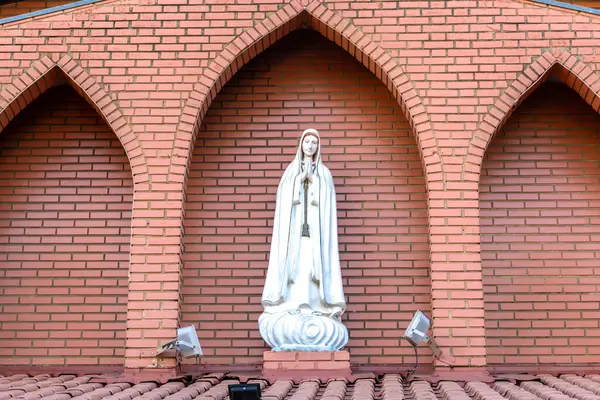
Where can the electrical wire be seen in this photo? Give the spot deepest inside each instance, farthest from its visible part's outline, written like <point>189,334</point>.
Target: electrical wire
<point>414,369</point>
<point>444,362</point>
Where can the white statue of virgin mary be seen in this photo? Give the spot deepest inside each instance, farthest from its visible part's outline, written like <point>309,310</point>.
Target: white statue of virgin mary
<point>303,297</point>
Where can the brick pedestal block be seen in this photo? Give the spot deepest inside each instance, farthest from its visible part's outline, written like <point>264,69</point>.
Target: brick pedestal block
<point>299,365</point>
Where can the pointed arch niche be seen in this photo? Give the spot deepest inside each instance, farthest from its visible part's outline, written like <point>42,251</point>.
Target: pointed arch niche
<point>340,31</point>
<point>247,138</point>
<point>540,220</point>
<point>66,191</point>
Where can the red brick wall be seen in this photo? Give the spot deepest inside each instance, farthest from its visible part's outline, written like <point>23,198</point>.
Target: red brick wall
<point>540,208</point>
<point>25,6</point>
<point>150,68</point>
<point>65,212</point>
<point>249,137</point>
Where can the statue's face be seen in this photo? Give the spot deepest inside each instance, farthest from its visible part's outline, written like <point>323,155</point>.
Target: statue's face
<point>310,144</point>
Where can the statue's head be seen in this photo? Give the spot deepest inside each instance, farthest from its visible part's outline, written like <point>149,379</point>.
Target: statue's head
<point>310,142</point>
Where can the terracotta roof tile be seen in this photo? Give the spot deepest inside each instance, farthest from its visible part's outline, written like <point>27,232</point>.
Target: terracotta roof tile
<point>392,388</point>
<point>422,391</point>
<point>335,390</point>
<point>102,392</point>
<point>513,392</point>
<point>60,396</point>
<point>46,388</point>
<point>218,392</point>
<point>452,391</point>
<point>133,392</point>
<point>76,382</point>
<point>583,382</point>
<point>567,388</point>
<point>278,390</point>
<point>85,388</point>
<point>306,391</point>
<point>595,378</point>
<point>191,391</point>
<point>364,389</point>
<point>13,378</point>
<point>482,391</point>
<point>215,387</point>
<point>544,392</point>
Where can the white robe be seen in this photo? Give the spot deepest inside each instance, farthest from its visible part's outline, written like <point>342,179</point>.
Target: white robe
<point>304,273</point>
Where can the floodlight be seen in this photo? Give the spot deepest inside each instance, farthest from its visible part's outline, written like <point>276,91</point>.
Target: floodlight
<point>417,329</point>
<point>417,333</point>
<point>244,391</point>
<point>186,343</point>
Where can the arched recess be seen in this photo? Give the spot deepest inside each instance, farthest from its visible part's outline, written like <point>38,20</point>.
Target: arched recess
<point>562,65</point>
<point>537,160</point>
<point>53,73</point>
<point>43,74</point>
<point>247,138</point>
<point>330,25</point>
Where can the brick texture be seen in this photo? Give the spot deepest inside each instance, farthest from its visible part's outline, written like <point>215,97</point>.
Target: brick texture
<point>249,136</point>
<point>540,221</point>
<point>65,201</point>
<point>25,6</point>
<point>456,71</point>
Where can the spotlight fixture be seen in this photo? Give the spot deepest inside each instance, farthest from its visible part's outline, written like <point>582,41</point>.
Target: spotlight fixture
<point>186,343</point>
<point>244,391</point>
<point>417,333</point>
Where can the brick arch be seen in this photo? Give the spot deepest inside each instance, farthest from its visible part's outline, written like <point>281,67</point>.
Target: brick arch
<point>341,31</point>
<point>16,96</point>
<point>570,70</point>
<point>525,274</point>
<point>41,76</point>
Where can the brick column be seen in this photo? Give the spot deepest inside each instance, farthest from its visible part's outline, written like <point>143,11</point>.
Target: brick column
<point>155,278</point>
<point>456,279</point>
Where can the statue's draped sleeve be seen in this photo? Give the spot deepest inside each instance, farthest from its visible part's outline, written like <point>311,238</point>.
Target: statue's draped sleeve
<point>331,288</point>
<point>277,275</point>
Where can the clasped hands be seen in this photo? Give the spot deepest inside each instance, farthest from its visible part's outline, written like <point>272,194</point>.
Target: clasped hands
<point>307,173</point>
